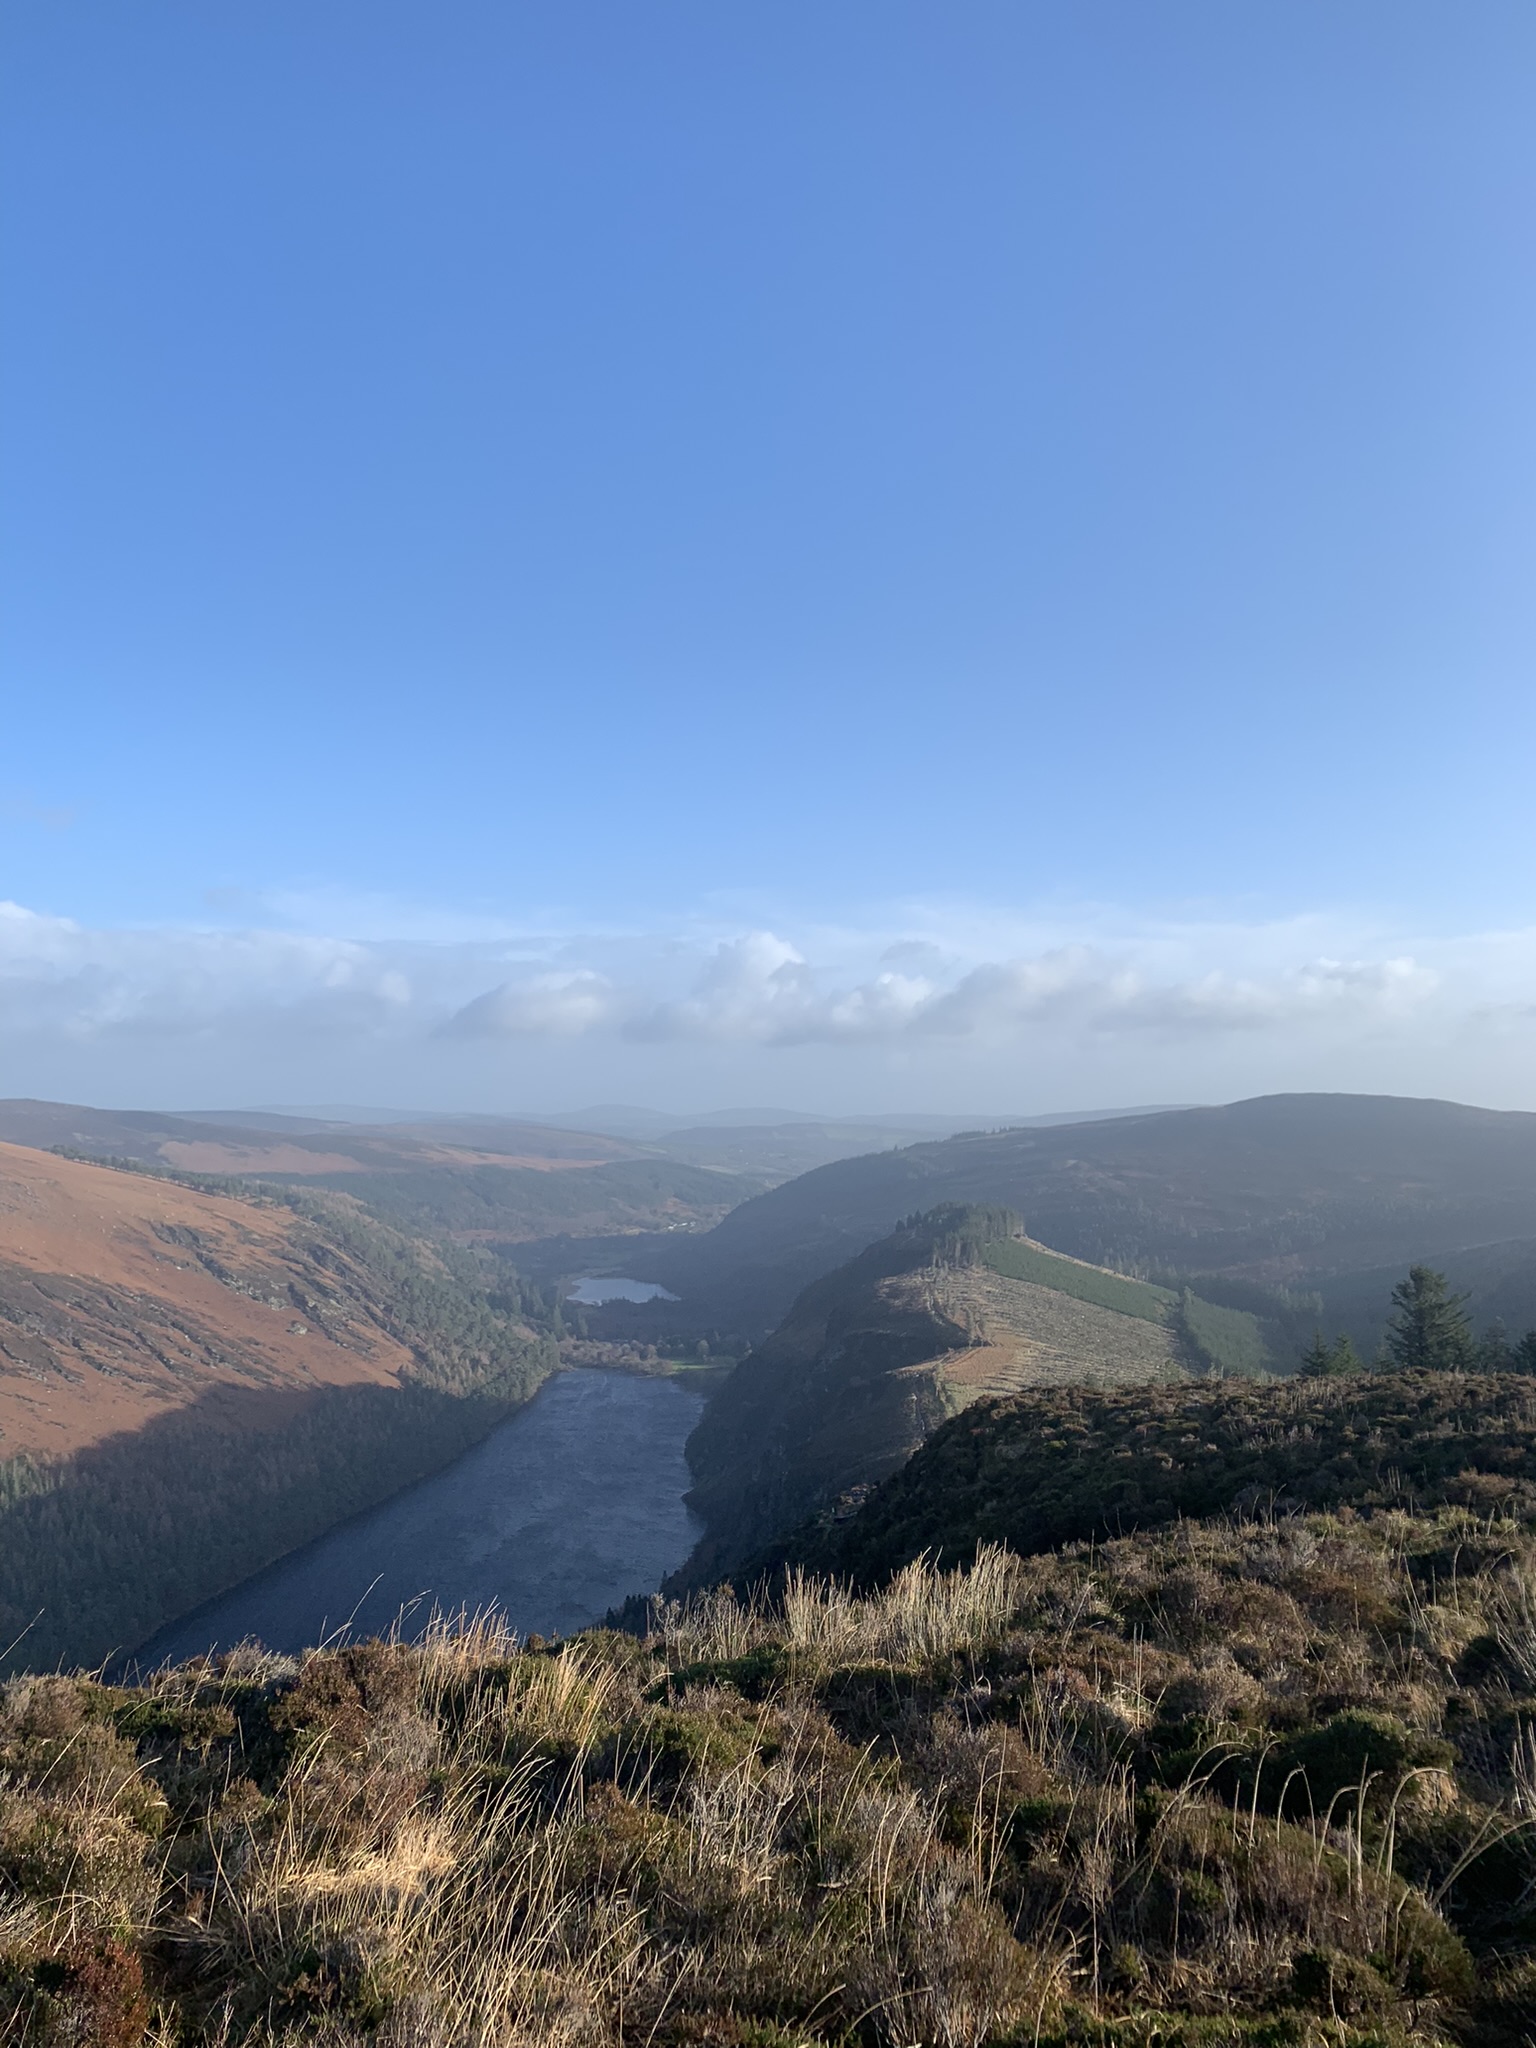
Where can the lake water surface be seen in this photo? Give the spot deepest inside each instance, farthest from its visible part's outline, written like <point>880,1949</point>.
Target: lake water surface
<point>565,1509</point>
<point>607,1287</point>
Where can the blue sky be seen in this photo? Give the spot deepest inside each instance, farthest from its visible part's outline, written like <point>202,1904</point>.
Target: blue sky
<point>873,555</point>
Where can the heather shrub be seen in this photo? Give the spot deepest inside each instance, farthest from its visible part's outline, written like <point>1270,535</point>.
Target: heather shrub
<point>1226,1783</point>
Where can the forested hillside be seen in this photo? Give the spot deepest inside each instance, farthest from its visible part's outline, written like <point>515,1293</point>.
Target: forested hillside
<point>192,1384</point>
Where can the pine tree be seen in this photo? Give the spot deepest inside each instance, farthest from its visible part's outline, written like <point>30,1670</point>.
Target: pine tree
<point>1523,1356</point>
<point>1429,1329</point>
<point>1324,1361</point>
<point>1346,1359</point>
<point>1317,1359</point>
<point>1494,1351</point>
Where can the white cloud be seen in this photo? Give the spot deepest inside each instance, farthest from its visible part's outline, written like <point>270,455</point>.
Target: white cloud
<point>58,977</point>
<point>1133,1008</point>
<point>759,989</point>
<point>543,1006</point>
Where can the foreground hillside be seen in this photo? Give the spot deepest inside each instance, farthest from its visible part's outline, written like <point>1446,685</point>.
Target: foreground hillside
<point>952,1308</point>
<point>191,1385</point>
<point>1064,1464</point>
<point>1267,1784</point>
<point>1284,1190</point>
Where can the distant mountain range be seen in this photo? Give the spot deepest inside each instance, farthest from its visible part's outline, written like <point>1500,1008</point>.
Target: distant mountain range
<point>496,1179</point>
<point>627,1120</point>
<point>486,1179</point>
<point>1321,1196</point>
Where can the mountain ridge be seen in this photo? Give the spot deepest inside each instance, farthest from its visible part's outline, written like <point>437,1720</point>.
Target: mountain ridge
<point>1280,1190</point>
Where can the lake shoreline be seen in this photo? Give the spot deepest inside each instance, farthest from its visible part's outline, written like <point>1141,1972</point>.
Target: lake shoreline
<point>552,1517</point>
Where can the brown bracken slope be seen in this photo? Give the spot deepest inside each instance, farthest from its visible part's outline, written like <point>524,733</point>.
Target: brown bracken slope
<point>475,1180</point>
<point>123,1298</point>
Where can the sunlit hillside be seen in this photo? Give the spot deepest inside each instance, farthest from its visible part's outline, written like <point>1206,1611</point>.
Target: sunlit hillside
<point>1243,1784</point>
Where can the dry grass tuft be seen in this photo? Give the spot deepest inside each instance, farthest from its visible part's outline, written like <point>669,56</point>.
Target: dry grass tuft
<point>1248,1783</point>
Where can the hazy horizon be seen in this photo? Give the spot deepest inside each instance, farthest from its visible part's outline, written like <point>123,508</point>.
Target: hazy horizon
<point>593,1115</point>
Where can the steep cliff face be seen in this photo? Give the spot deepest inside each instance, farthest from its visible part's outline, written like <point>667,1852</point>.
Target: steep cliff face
<point>952,1308</point>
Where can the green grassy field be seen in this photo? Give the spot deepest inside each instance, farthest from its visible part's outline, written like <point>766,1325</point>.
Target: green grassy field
<point>1017,1259</point>
<point>1217,1340</point>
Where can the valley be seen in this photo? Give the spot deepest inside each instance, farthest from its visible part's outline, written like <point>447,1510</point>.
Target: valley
<point>1029,1579</point>
<point>565,1509</point>
<point>356,1300</point>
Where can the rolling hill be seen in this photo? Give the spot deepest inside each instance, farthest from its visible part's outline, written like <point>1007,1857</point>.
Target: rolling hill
<point>486,1179</point>
<point>952,1308</point>
<point>1285,1191</point>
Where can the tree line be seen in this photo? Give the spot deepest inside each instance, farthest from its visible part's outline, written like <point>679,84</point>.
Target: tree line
<point>1429,1330</point>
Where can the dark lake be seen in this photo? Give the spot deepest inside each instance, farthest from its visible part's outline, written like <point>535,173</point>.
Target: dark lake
<point>593,1291</point>
<point>568,1507</point>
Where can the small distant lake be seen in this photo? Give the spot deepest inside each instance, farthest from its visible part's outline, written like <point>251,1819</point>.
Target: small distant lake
<point>565,1509</point>
<point>591,1291</point>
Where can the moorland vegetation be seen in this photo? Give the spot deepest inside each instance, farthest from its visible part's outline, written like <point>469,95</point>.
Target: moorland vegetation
<point>1263,1783</point>
<point>1068,1464</point>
